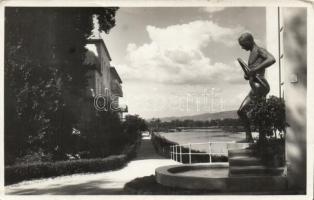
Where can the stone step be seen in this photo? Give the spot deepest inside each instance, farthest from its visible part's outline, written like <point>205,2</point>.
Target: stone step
<point>255,171</point>
<point>244,161</point>
<point>240,152</point>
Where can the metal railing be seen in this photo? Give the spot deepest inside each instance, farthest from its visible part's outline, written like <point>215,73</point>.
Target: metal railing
<point>176,153</point>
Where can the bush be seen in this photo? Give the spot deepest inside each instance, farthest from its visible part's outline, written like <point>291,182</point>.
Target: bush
<point>268,115</point>
<point>131,150</point>
<point>17,173</point>
<point>271,152</point>
<point>34,157</point>
<point>14,174</point>
<point>161,144</point>
<point>99,132</point>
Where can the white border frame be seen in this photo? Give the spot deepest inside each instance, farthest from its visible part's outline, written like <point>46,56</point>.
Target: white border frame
<point>170,3</point>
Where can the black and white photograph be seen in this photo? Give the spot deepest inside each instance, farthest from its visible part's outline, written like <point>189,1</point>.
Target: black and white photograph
<point>173,99</point>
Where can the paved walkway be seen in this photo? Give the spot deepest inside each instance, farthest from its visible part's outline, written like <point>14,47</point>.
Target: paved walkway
<point>105,183</point>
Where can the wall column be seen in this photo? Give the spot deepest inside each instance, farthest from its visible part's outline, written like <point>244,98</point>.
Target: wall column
<point>272,45</point>
<point>295,62</point>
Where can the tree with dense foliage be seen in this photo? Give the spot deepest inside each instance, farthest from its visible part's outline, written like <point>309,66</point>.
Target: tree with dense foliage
<point>45,77</point>
<point>158,125</point>
<point>134,125</point>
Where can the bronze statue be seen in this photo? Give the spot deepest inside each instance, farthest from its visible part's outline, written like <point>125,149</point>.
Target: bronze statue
<point>259,60</point>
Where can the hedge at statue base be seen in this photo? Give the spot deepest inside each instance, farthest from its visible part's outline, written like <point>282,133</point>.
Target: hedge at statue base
<point>271,151</point>
<point>268,116</point>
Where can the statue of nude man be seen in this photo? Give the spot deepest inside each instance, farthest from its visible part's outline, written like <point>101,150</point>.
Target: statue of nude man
<point>259,60</point>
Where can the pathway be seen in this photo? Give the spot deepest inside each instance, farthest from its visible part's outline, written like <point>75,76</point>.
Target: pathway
<point>111,182</point>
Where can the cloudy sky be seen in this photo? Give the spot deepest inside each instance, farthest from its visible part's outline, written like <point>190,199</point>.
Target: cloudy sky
<point>182,61</point>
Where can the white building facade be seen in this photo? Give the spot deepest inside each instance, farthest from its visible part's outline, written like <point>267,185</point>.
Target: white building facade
<point>286,39</point>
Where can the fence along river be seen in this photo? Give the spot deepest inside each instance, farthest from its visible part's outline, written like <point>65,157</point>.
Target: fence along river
<point>210,141</point>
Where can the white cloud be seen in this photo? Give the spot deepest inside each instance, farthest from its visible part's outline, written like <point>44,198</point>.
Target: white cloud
<point>194,35</point>
<point>213,9</point>
<point>175,55</point>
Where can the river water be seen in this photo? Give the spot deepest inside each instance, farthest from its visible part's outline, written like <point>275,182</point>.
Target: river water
<point>204,136</point>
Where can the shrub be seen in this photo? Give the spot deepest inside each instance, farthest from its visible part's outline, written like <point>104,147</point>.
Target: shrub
<point>271,151</point>
<point>268,115</point>
<point>14,174</point>
<point>27,171</point>
<point>131,150</point>
<point>34,157</point>
<point>161,144</point>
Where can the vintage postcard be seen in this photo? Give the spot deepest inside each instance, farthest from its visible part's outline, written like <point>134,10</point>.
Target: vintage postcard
<point>184,99</point>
